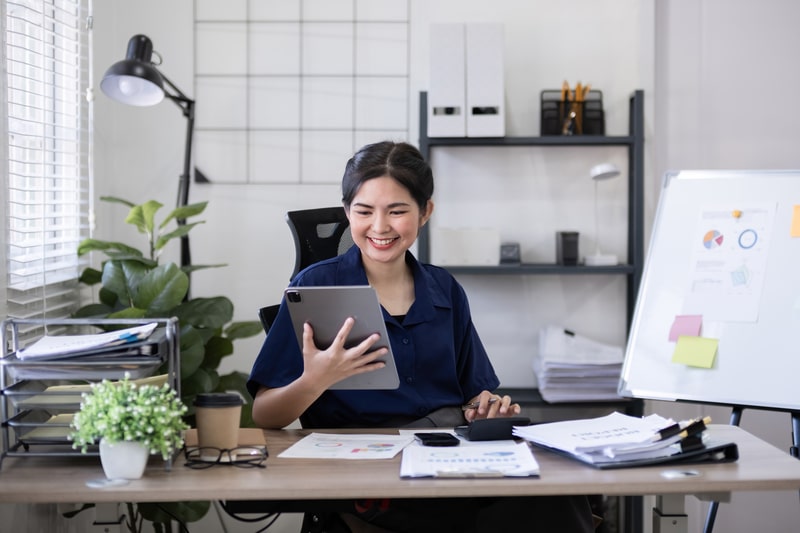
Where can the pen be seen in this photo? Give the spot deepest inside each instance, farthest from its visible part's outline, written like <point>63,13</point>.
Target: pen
<point>474,405</point>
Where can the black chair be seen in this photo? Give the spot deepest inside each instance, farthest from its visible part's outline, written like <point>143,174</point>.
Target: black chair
<point>319,234</point>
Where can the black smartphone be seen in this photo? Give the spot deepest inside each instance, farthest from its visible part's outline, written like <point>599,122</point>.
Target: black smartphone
<point>437,439</point>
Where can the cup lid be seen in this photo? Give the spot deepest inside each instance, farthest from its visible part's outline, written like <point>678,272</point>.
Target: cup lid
<point>217,399</point>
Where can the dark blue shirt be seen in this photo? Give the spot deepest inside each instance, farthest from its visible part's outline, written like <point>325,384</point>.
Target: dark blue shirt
<point>440,358</point>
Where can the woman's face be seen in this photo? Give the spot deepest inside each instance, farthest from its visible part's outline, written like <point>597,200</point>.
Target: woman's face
<point>385,219</point>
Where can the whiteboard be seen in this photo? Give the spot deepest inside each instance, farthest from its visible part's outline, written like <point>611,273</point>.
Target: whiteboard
<point>725,252</point>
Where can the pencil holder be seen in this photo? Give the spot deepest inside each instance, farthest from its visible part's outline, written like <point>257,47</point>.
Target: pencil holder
<point>559,117</point>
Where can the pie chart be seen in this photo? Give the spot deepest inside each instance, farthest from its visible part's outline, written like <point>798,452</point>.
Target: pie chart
<point>712,239</point>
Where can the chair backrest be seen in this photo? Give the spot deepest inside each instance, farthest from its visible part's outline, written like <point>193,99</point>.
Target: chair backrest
<point>318,234</point>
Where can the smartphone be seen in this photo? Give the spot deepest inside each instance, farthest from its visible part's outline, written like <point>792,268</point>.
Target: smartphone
<point>437,439</point>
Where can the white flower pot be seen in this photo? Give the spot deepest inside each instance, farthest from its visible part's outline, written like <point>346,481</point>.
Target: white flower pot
<point>123,460</point>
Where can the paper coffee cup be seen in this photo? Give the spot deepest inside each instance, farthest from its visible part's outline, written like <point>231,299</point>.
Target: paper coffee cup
<point>217,415</point>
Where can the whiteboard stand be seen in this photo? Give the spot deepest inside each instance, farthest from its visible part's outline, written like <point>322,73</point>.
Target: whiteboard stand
<point>719,285</point>
<point>794,450</point>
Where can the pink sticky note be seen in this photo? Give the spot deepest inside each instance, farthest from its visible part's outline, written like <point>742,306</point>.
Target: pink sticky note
<point>695,351</point>
<point>685,325</point>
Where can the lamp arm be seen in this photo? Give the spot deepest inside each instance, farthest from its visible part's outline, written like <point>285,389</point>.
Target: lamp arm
<point>187,106</point>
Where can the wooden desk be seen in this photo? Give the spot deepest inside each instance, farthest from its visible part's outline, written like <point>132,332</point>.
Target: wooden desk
<point>761,467</point>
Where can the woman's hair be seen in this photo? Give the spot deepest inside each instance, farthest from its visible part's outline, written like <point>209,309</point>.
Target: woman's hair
<point>400,161</point>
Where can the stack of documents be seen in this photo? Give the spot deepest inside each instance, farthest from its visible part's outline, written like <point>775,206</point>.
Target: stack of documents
<point>621,440</point>
<point>64,346</point>
<point>570,368</point>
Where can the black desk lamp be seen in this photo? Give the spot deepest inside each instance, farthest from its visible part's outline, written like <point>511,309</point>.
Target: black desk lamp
<point>136,81</point>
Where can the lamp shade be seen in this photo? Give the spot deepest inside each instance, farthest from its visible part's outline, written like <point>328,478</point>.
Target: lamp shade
<point>604,171</point>
<point>134,80</point>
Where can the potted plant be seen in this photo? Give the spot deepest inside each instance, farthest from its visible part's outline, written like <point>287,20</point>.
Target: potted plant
<point>130,421</point>
<point>135,284</point>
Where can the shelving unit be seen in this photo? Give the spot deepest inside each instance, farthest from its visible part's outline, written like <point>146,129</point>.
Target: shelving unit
<point>38,397</point>
<point>531,401</point>
<point>634,142</point>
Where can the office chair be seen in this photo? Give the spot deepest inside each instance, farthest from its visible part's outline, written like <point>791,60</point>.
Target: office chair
<point>319,234</point>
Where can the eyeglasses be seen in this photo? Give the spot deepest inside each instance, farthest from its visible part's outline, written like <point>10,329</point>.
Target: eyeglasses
<point>242,457</point>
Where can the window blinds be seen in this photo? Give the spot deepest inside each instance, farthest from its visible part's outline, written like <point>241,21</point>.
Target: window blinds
<point>48,156</point>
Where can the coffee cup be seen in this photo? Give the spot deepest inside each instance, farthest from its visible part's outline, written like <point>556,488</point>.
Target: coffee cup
<point>217,415</point>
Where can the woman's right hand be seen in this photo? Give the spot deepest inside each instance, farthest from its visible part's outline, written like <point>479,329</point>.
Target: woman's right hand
<point>324,367</point>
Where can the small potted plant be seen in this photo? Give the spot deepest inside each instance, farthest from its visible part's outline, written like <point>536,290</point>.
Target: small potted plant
<point>129,419</point>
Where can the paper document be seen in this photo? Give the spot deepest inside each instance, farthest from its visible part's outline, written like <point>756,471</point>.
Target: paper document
<point>500,459</point>
<point>351,446</point>
<point>610,438</point>
<point>52,346</point>
<point>570,367</point>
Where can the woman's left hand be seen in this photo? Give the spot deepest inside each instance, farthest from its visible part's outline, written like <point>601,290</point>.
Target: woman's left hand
<point>490,405</point>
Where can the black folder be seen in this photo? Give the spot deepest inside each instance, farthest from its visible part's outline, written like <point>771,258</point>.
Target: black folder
<point>711,452</point>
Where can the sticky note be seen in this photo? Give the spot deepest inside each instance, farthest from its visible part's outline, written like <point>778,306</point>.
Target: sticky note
<point>685,325</point>
<point>695,351</point>
<point>794,231</point>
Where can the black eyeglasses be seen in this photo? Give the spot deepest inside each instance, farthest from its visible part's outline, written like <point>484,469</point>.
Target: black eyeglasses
<point>242,457</point>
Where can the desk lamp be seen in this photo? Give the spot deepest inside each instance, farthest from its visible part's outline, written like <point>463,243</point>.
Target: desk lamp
<point>600,173</point>
<point>136,81</point>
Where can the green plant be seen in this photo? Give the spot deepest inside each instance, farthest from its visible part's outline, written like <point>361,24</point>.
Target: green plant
<point>135,285</point>
<point>126,411</point>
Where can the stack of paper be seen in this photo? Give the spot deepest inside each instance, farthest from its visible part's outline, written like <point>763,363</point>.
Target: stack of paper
<point>61,346</point>
<point>569,367</point>
<point>617,438</point>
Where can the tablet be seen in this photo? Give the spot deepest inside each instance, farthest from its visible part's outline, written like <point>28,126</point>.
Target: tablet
<point>326,309</point>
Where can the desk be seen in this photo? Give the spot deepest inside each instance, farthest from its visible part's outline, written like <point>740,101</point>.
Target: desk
<point>761,467</point>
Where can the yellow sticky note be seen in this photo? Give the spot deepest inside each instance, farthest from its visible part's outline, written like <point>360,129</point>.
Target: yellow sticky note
<point>695,351</point>
<point>794,231</point>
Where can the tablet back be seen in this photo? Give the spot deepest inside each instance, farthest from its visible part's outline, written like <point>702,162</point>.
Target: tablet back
<point>326,309</point>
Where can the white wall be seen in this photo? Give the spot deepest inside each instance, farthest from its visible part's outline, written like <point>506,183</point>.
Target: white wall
<point>715,61</point>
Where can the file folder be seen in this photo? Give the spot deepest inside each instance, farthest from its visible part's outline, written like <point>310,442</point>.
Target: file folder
<point>485,80</point>
<point>447,92</point>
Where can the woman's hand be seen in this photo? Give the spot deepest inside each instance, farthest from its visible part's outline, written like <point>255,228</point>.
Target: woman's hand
<point>490,405</point>
<point>324,367</point>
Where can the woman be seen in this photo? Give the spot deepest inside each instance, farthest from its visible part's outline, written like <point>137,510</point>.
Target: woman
<point>386,192</point>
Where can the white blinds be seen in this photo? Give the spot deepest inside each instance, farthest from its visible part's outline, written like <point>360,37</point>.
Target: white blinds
<point>48,164</point>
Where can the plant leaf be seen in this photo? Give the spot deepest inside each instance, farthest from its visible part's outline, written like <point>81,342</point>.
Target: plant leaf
<point>92,311</point>
<point>90,276</point>
<point>143,216</point>
<point>116,200</point>
<point>242,330</point>
<point>205,312</point>
<point>160,290</point>
<point>192,350</point>
<point>179,232</point>
<point>182,213</point>
<point>122,278</point>
<point>216,348</point>
<point>107,247</point>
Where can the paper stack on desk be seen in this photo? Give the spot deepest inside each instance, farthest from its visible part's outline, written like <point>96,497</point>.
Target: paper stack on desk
<point>470,460</point>
<point>622,440</point>
<point>571,368</point>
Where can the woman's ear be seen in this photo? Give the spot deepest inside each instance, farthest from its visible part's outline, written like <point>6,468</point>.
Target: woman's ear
<point>426,214</point>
